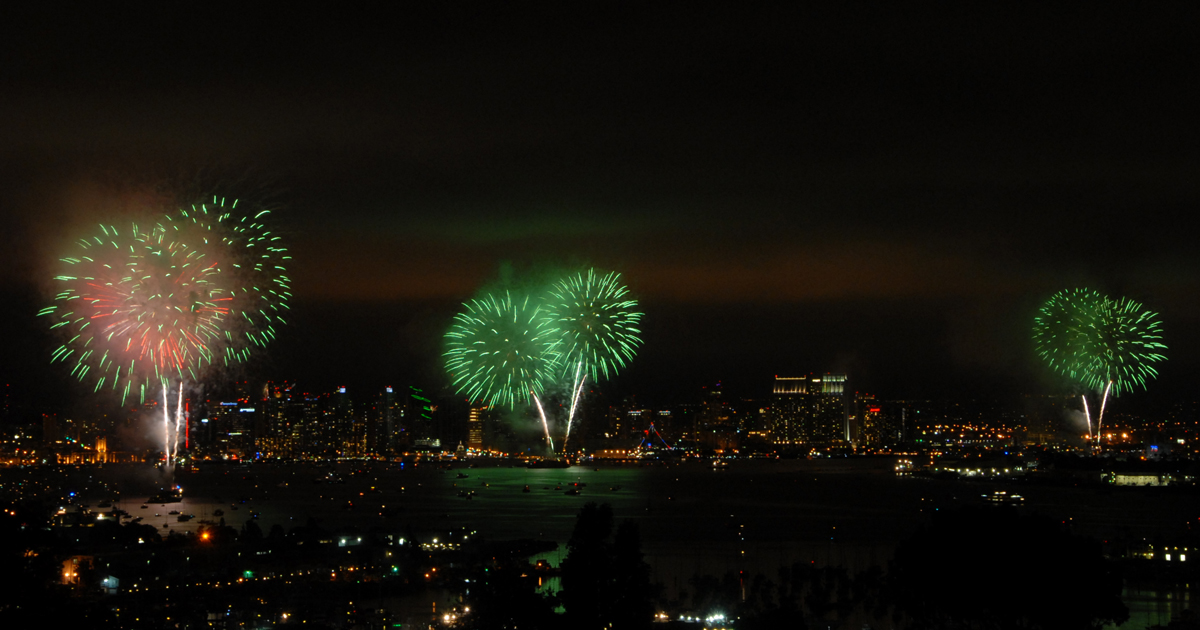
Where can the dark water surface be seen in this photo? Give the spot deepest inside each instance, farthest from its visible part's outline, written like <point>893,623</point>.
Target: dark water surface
<point>754,516</point>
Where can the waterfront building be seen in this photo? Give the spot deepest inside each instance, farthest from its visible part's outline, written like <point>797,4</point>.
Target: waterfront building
<point>810,410</point>
<point>475,422</point>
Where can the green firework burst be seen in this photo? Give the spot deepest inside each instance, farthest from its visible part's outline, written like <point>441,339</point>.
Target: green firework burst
<point>596,321</point>
<point>1062,330</point>
<point>1096,340</point>
<point>1127,342</point>
<point>134,309</point>
<point>161,301</point>
<point>255,289</point>
<point>500,350</point>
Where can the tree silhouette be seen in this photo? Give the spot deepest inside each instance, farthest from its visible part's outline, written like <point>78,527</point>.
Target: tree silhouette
<point>996,568</point>
<point>605,583</point>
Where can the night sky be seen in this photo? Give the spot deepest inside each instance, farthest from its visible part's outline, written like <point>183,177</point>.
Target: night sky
<point>886,193</point>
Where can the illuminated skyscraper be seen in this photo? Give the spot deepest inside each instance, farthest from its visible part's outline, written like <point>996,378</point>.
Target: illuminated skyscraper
<point>869,427</point>
<point>382,418</point>
<point>714,411</point>
<point>351,431</point>
<point>390,422</point>
<point>810,410</point>
<point>787,409</point>
<point>475,420</point>
<point>280,436</point>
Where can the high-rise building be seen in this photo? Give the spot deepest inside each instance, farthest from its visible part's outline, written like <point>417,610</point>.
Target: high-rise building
<point>787,409</point>
<point>276,439</point>
<point>391,414</point>
<point>319,436</point>
<point>810,410</point>
<point>475,421</point>
<point>51,433</point>
<point>714,411</point>
<point>870,427</point>
<point>349,432</point>
<point>384,431</point>
<point>714,427</point>
<point>242,423</point>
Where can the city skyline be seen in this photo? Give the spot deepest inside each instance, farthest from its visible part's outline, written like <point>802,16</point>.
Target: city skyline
<point>809,414</point>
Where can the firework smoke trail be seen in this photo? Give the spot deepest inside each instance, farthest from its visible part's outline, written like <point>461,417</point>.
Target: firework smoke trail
<point>580,377</point>
<point>545,425</point>
<point>1088,415</point>
<point>1100,418</point>
<point>596,324</point>
<point>166,430</point>
<point>178,418</point>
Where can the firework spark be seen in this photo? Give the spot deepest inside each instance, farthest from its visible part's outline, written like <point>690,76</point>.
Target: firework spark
<point>134,312</point>
<point>253,287</point>
<point>597,326</point>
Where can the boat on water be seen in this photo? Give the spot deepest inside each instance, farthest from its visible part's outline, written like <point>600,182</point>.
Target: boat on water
<point>218,512</point>
<point>461,476</point>
<point>549,463</point>
<point>1004,498</point>
<point>525,489</point>
<point>173,512</point>
<point>172,495</point>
